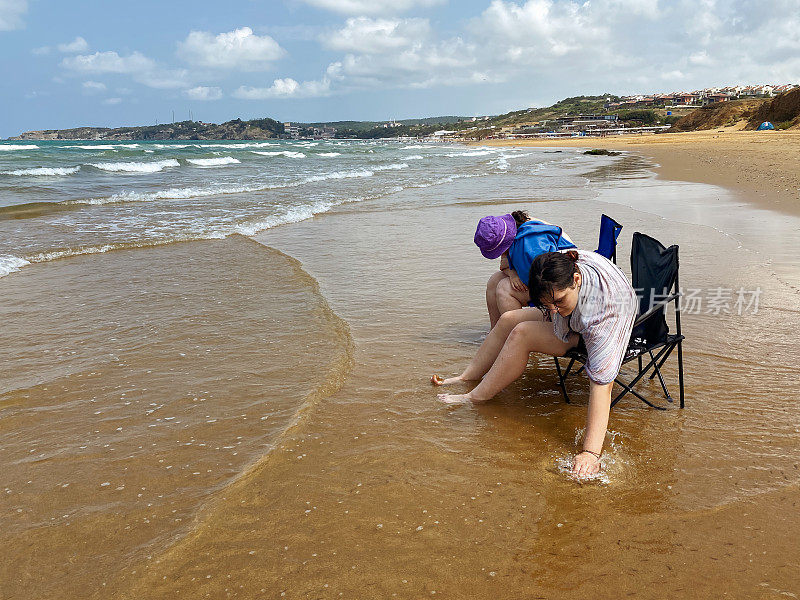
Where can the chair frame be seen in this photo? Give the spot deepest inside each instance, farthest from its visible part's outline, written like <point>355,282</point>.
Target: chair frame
<point>656,361</point>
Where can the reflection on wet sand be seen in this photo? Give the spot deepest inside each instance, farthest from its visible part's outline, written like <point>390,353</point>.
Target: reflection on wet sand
<point>381,491</point>
<point>142,382</point>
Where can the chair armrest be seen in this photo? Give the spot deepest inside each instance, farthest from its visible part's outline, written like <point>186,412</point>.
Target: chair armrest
<point>655,308</point>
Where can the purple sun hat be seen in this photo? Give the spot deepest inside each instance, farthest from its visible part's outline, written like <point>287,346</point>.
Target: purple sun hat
<point>495,235</point>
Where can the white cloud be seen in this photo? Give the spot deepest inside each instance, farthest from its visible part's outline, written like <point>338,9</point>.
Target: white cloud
<point>77,45</point>
<point>109,62</point>
<point>112,101</point>
<point>94,86</point>
<point>203,93</point>
<point>372,7</point>
<point>371,36</point>
<point>142,69</point>
<point>41,50</point>
<point>285,88</point>
<point>11,13</point>
<point>240,49</point>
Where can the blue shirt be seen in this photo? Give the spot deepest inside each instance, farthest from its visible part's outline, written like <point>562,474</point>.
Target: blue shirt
<point>534,238</point>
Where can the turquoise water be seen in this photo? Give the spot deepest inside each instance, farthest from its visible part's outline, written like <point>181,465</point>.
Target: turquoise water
<point>61,198</point>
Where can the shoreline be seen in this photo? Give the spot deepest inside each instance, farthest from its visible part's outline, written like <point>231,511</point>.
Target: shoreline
<point>762,168</point>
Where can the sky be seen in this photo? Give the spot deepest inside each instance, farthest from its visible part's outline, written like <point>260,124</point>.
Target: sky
<point>107,63</point>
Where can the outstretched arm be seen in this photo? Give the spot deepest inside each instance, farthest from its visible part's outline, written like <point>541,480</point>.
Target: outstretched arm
<point>588,463</point>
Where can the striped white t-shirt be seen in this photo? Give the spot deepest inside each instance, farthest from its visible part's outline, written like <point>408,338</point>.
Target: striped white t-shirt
<point>604,316</point>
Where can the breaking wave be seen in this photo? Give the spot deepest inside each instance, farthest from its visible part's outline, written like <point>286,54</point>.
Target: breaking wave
<point>286,153</point>
<point>17,147</point>
<point>136,167</point>
<point>10,264</point>
<point>44,171</point>
<point>213,162</point>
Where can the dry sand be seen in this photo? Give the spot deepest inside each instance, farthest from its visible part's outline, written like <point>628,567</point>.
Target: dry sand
<point>763,166</point>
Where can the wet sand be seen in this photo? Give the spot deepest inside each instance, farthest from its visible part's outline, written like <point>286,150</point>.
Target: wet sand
<point>379,491</point>
<point>763,166</point>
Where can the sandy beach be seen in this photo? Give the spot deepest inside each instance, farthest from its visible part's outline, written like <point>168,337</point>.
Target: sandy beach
<point>357,483</point>
<point>764,166</point>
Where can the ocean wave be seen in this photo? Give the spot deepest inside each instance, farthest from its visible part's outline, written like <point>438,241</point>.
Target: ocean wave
<point>286,153</point>
<point>18,147</point>
<point>177,146</point>
<point>471,153</point>
<point>136,167</point>
<point>219,190</point>
<point>235,146</point>
<point>292,215</point>
<point>213,162</point>
<point>329,154</point>
<point>414,157</point>
<point>417,147</point>
<point>103,146</point>
<point>10,264</point>
<point>44,171</point>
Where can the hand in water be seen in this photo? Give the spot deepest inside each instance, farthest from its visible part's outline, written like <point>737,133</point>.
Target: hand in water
<point>585,465</point>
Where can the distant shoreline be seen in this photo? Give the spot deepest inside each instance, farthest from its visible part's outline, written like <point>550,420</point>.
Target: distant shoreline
<point>761,167</point>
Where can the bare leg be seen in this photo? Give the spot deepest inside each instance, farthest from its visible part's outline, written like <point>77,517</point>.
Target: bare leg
<point>491,297</point>
<point>491,346</point>
<point>508,298</point>
<point>526,337</point>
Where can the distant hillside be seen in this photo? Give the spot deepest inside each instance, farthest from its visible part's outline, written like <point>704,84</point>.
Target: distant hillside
<point>782,111</point>
<point>724,114</point>
<point>256,129</point>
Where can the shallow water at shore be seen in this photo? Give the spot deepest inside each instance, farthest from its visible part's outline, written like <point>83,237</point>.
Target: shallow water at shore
<point>379,490</point>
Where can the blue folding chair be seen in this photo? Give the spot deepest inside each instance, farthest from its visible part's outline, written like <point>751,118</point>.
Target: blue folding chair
<point>609,232</point>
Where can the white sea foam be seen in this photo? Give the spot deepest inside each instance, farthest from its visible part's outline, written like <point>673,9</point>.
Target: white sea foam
<point>10,264</point>
<point>103,146</point>
<point>293,215</point>
<point>236,146</point>
<point>44,171</point>
<point>286,153</point>
<point>162,146</point>
<point>216,190</point>
<point>8,147</point>
<point>417,147</point>
<point>137,167</point>
<point>329,154</point>
<point>414,157</point>
<point>213,162</point>
<point>472,153</point>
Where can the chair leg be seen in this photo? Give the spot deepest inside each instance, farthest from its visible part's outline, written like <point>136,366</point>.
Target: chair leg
<point>657,371</point>
<point>663,360</point>
<point>561,380</point>
<point>629,387</point>
<point>680,369</point>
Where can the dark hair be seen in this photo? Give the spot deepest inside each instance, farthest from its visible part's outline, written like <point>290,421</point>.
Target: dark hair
<point>551,272</point>
<point>520,216</point>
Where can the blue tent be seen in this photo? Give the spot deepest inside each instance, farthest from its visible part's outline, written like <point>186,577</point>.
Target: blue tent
<point>765,125</point>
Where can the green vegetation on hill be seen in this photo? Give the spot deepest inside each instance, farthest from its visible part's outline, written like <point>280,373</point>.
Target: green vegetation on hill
<point>255,129</point>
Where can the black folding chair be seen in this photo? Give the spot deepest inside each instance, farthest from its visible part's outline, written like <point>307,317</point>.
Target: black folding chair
<point>654,271</point>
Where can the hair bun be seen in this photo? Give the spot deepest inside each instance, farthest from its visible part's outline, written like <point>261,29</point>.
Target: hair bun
<point>572,254</point>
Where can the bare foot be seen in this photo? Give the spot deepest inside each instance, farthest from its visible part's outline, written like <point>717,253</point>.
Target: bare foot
<point>454,398</point>
<point>437,380</point>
